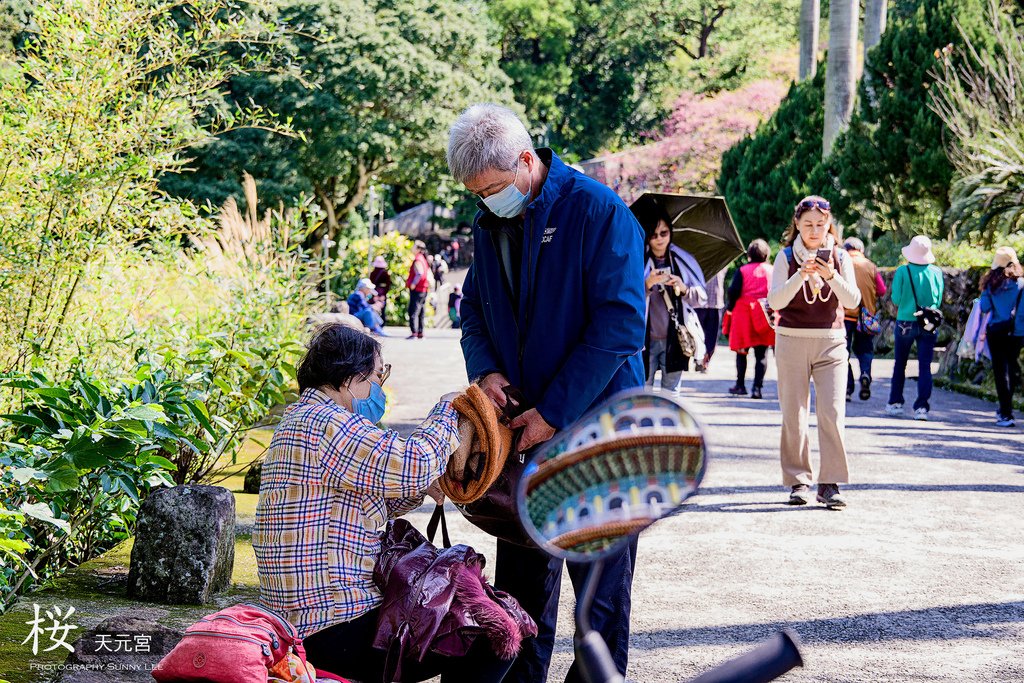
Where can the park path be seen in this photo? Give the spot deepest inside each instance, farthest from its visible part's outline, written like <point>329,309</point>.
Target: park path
<point>921,579</point>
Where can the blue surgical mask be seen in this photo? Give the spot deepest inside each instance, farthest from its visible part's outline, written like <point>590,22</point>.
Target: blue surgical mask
<point>509,202</point>
<point>373,406</point>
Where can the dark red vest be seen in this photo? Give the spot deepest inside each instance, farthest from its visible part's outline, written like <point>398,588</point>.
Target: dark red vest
<point>817,316</point>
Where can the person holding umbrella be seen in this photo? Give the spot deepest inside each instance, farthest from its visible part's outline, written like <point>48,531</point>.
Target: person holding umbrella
<point>672,277</point>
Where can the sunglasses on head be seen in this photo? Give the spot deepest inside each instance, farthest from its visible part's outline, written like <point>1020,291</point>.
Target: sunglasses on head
<point>808,204</point>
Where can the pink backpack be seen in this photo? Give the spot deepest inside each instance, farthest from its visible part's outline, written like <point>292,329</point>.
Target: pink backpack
<point>241,644</point>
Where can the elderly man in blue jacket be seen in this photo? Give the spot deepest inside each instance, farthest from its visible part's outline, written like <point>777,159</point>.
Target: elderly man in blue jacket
<point>553,305</point>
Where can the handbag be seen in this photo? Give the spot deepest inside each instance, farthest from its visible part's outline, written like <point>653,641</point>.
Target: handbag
<point>727,323</point>
<point>436,600</point>
<point>690,334</point>
<point>927,317</point>
<point>868,323</point>
<point>1005,327</point>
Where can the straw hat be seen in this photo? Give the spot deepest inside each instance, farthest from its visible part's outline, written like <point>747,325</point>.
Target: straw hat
<point>1004,257</point>
<point>919,251</point>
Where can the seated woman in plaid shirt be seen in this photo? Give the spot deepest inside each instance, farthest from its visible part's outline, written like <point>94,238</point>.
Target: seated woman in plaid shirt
<point>331,480</point>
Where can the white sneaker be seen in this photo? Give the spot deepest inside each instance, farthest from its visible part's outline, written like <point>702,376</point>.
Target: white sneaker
<point>921,414</point>
<point>894,410</point>
<point>1005,422</point>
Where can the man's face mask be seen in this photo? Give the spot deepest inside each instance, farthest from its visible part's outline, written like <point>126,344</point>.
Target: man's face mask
<point>510,201</point>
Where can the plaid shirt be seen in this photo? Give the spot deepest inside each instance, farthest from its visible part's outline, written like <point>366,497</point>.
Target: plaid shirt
<point>330,482</point>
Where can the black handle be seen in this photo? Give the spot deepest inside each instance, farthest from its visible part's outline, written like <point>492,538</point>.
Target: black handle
<point>765,663</point>
<point>438,516</point>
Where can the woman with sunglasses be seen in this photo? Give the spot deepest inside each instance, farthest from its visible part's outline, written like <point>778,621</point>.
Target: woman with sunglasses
<point>812,283</point>
<point>673,278</point>
<point>331,480</point>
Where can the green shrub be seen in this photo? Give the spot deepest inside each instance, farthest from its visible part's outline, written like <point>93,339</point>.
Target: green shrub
<point>78,458</point>
<point>353,263</point>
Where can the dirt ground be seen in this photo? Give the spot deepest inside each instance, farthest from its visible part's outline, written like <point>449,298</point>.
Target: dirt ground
<point>920,579</point>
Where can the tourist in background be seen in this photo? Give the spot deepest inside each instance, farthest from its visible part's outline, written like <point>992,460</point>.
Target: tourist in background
<point>455,307</point>
<point>418,283</point>
<point>440,269</point>
<point>360,305</point>
<point>917,289</point>
<point>749,326</point>
<point>1001,292</point>
<point>812,283</point>
<point>710,316</point>
<point>672,277</point>
<point>860,321</point>
<point>381,279</point>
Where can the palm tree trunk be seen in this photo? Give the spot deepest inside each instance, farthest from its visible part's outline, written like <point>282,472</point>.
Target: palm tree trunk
<point>810,16</point>
<point>875,13</point>
<point>840,75</point>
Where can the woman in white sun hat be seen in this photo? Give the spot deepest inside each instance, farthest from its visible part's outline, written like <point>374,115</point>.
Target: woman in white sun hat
<point>1002,289</point>
<point>917,289</point>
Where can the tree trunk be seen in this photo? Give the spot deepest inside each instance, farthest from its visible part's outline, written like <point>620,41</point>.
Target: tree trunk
<point>810,16</point>
<point>840,76</point>
<point>875,12</point>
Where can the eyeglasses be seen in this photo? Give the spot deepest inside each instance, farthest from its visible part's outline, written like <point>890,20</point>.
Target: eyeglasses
<point>662,233</point>
<point>808,204</point>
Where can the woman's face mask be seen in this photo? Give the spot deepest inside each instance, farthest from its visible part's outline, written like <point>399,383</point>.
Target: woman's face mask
<point>373,406</point>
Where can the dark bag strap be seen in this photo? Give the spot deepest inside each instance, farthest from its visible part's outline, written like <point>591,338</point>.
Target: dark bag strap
<point>913,290</point>
<point>438,517</point>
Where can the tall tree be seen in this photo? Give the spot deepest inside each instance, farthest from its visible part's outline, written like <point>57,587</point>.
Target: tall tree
<point>378,84</point>
<point>875,15</point>
<point>590,73</point>
<point>723,44</point>
<point>810,18</point>
<point>891,162</point>
<point>841,81</point>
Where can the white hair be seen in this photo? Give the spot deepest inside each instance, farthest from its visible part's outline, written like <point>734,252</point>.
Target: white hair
<point>486,137</point>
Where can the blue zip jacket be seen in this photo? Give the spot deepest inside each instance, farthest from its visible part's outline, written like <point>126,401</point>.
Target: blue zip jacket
<point>1001,304</point>
<point>578,333</point>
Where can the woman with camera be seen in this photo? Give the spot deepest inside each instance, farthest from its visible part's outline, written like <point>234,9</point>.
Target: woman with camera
<point>812,283</point>
<point>917,289</point>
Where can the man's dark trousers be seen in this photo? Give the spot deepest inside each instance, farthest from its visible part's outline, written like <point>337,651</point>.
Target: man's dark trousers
<point>535,579</point>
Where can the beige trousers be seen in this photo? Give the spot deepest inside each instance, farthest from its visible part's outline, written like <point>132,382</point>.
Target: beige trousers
<point>799,359</point>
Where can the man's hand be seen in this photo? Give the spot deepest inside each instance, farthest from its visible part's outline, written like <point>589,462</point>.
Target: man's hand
<point>492,386</point>
<point>537,430</point>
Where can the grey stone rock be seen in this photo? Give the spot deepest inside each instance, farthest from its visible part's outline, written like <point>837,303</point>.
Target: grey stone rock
<point>120,649</point>
<point>252,478</point>
<point>184,547</point>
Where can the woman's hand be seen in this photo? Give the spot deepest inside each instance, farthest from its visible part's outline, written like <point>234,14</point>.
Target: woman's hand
<point>435,492</point>
<point>824,268</point>
<point>677,284</point>
<point>656,278</point>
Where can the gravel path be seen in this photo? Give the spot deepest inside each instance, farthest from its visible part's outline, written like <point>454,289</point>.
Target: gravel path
<point>920,579</point>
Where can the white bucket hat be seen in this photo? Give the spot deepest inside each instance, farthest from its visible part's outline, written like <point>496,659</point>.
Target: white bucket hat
<point>1004,257</point>
<point>919,251</point>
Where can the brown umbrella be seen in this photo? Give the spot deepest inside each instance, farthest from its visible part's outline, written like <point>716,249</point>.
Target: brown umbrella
<point>700,225</point>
